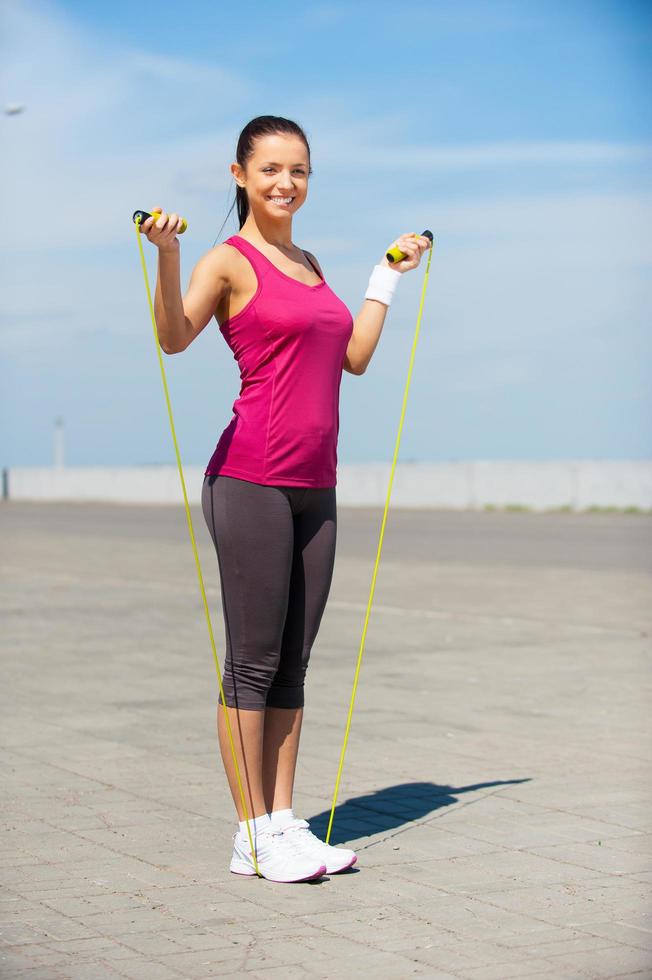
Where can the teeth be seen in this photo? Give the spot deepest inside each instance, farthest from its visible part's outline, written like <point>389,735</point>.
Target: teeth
<point>281,200</point>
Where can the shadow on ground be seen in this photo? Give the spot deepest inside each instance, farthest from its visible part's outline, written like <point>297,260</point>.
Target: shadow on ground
<point>392,807</point>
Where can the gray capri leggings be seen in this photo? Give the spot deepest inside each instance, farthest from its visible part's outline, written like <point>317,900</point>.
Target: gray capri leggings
<point>276,552</point>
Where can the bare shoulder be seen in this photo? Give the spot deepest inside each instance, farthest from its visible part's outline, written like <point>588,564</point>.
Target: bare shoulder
<point>217,262</point>
<point>313,259</point>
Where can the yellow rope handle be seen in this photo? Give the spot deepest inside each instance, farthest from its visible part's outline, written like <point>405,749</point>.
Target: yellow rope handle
<point>194,546</point>
<point>380,545</point>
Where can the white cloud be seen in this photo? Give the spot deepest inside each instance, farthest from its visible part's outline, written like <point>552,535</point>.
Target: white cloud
<point>77,168</point>
<point>102,126</point>
<point>514,153</point>
<point>480,156</point>
<point>521,283</point>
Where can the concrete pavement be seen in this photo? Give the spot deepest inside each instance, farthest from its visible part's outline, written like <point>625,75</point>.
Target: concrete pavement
<point>497,781</point>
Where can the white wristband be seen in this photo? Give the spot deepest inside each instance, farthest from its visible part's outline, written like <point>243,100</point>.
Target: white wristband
<point>382,284</point>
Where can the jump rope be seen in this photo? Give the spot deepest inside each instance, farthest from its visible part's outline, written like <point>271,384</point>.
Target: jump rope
<point>393,255</point>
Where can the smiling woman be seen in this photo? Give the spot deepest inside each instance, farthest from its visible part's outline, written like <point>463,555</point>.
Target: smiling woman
<point>286,327</point>
<point>293,160</point>
<point>269,490</point>
<point>268,495</point>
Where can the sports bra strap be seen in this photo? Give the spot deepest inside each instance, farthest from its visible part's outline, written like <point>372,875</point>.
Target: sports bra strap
<point>313,264</point>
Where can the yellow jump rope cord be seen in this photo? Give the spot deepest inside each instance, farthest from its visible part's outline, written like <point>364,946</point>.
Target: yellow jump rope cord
<point>380,545</point>
<point>194,548</point>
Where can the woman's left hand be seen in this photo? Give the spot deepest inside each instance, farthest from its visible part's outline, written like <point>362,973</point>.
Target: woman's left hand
<point>413,245</point>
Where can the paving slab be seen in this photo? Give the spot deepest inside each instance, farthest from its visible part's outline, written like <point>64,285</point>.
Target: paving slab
<point>496,785</point>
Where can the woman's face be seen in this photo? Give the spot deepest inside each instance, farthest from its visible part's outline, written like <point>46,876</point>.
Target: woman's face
<point>277,170</point>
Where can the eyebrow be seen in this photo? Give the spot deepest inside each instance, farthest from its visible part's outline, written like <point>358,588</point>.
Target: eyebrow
<point>271,163</point>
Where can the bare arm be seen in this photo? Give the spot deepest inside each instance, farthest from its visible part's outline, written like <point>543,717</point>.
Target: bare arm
<point>368,325</point>
<point>367,328</point>
<point>180,319</point>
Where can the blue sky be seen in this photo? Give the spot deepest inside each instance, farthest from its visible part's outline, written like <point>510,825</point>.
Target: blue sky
<point>520,133</point>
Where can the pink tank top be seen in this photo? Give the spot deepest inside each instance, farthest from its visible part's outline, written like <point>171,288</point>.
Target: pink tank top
<point>289,342</point>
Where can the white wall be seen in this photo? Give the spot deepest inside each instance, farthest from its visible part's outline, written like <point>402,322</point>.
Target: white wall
<point>539,485</point>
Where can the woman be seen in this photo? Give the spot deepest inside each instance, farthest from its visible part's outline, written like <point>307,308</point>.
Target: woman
<point>268,495</point>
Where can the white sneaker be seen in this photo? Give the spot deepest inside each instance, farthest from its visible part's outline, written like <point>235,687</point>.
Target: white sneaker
<point>277,859</point>
<point>335,858</point>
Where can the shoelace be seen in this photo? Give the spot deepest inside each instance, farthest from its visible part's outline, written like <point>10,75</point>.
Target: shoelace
<point>304,845</point>
<point>307,835</point>
<point>273,832</point>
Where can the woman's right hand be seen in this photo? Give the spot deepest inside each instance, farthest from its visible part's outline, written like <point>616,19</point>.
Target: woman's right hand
<point>161,228</point>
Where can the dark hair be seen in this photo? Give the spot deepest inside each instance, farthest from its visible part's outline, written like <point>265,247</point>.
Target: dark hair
<point>255,128</point>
